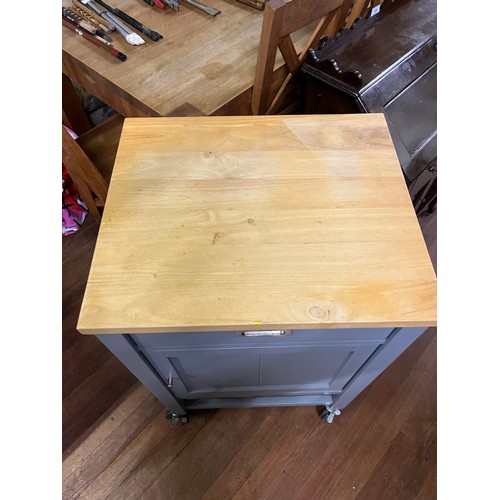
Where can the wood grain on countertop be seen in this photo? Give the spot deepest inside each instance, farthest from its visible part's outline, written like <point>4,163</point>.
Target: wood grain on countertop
<point>223,223</point>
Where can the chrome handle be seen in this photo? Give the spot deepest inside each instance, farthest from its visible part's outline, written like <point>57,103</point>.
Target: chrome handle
<point>265,333</point>
<point>170,382</point>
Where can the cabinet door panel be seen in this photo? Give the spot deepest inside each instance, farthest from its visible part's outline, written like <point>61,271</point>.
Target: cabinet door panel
<point>327,369</point>
<point>259,371</point>
<point>215,370</point>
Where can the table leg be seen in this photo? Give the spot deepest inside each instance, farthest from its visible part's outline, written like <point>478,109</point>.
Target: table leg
<point>73,114</point>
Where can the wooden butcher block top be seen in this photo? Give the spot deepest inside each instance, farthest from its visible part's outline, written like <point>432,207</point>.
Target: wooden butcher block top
<point>265,222</point>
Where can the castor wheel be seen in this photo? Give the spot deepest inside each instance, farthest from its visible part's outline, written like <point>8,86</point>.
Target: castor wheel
<point>330,413</point>
<point>173,418</point>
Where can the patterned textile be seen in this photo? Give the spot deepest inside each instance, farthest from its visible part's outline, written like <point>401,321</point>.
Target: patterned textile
<point>74,210</point>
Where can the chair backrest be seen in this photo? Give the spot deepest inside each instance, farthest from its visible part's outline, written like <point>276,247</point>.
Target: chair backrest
<point>360,8</point>
<point>90,160</point>
<point>282,18</point>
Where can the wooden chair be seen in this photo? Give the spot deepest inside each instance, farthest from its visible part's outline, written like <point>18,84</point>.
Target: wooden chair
<point>281,18</point>
<point>360,8</point>
<point>90,159</point>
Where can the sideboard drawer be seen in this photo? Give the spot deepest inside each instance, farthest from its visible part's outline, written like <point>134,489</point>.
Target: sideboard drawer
<point>214,340</point>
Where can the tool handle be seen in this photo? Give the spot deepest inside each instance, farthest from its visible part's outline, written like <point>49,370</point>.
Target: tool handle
<point>156,3</point>
<point>114,52</point>
<point>135,23</point>
<point>80,9</point>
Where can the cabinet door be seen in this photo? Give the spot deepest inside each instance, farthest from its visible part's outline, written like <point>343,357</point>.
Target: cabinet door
<point>258,371</point>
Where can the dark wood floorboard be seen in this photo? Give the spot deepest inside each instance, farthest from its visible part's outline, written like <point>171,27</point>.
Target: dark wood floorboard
<point>92,380</point>
<point>428,225</point>
<point>117,444</point>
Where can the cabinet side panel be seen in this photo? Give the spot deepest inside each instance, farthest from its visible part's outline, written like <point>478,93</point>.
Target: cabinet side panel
<point>396,344</point>
<point>126,352</point>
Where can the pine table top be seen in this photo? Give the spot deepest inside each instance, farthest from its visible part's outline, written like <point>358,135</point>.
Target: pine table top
<point>261,222</point>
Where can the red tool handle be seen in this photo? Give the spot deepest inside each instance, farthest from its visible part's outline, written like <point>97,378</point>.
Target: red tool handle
<point>156,3</point>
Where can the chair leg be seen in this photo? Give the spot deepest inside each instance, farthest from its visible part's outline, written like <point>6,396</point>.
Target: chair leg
<point>88,199</point>
<point>83,172</point>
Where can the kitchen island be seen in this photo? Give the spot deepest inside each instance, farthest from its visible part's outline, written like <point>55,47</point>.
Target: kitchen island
<point>258,261</point>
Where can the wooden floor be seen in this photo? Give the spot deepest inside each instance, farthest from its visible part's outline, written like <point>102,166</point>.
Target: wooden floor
<point>117,444</point>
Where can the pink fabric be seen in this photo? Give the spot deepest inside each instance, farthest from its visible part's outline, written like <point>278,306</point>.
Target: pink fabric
<point>74,210</point>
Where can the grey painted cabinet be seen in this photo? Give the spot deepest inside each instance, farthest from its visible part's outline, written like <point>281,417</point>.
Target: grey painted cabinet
<point>219,224</point>
<point>229,369</point>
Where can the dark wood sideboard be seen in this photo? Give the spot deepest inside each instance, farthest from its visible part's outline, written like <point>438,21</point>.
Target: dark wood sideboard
<point>385,63</point>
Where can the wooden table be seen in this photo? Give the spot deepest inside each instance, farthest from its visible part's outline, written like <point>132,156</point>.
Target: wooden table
<point>258,260</point>
<point>204,65</point>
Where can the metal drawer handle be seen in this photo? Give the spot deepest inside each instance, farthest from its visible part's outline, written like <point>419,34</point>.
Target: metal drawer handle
<point>265,333</point>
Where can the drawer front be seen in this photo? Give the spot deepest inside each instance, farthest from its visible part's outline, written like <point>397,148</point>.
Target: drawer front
<point>214,340</point>
<point>402,75</point>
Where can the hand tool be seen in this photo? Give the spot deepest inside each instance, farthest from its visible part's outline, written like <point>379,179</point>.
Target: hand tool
<point>72,16</point>
<point>153,35</point>
<point>76,29</point>
<point>130,36</point>
<point>87,14</point>
<point>205,8</point>
<point>89,18</point>
<point>173,4</point>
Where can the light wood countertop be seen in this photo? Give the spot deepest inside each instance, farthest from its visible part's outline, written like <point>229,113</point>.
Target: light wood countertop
<point>225,223</point>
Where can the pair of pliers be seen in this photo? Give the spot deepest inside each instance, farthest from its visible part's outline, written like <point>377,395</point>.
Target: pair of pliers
<point>161,4</point>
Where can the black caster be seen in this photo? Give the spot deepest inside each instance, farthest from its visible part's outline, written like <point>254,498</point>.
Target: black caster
<point>173,418</point>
